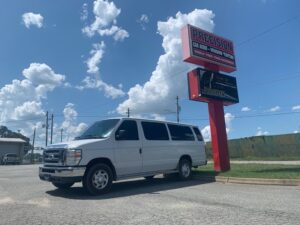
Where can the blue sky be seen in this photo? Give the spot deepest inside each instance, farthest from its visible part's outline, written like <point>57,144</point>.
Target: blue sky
<point>83,63</point>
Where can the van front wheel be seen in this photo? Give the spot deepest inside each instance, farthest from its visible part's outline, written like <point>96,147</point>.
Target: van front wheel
<point>98,179</point>
<point>184,169</point>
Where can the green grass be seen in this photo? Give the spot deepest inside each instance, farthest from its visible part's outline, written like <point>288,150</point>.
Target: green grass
<point>296,158</point>
<point>254,171</point>
<point>281,158</point>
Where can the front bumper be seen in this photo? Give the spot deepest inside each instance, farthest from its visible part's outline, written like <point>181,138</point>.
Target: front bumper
<point>61,174</point>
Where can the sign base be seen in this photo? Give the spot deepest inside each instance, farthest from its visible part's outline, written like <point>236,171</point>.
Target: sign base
<point>218,136</point>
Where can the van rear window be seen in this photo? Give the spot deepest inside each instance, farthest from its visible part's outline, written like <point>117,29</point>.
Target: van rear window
<point>198,133</point>
<point>181,133</point>
<point>155,131</point>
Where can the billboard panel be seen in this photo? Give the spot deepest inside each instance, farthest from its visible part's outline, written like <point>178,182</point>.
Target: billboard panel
<point>205,85</point>
<point>207,49</point>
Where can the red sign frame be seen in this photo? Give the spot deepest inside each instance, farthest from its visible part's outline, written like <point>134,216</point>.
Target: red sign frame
<point>207,49</point>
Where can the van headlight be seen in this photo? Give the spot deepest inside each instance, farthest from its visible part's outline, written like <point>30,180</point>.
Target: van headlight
<point>72,157</point>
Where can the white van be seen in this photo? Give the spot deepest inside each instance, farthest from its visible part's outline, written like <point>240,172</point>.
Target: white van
<point>122,148</point>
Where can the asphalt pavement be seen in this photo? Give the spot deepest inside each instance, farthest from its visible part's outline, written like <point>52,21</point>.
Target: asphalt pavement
<point>24,199</point>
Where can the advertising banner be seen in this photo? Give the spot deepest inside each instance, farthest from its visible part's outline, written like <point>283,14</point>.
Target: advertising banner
<point>207,49</point>
<point>205,85</point>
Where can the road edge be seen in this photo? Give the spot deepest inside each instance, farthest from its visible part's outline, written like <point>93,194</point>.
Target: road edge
<point>257,181</point>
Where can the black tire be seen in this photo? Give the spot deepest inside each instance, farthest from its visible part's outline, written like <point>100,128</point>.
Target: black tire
<point>98,179</point>
<point>62,185</point>
<point>149,177</point>
<point>184,169</point>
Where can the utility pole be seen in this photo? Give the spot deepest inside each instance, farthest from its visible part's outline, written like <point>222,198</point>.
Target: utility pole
<point>46,128</point>
<point>177,108</point>
<point>51,129</point>
<point>33,140</point>
<point>61,134</point>
<point>128,112</point>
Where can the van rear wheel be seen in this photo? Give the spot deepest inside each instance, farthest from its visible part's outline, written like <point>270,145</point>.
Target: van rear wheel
<point>184,169</point>
<point>98,179</point>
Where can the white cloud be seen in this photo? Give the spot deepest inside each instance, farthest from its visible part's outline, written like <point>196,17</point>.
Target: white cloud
<point>168,80</point>
<point>42,74</point>
<point>94,83</point>
<point>84,13</point>
<point>143,20</point>
<point>117,33</point>
<point>158,117</point>
<point>206,132</point>
<point>245,109</point>
<point>28,110</point>
<point>24,96</point>
<point>106,14</point>
<point>95,59</point>
<point>296,108</point>
<point>32,19</point>
<point>228,121</point>
<point>261,132</point>
<point>70,126</point>
<point>21,100</point>
<point>274,109</point>
<point>295,131</point>
<point>105,25</point>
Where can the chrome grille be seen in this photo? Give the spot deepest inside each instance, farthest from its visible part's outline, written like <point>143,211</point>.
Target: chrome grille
<point>54,156</point>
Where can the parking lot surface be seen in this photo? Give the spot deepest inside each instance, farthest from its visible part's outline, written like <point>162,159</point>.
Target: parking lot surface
<point>24,199</point>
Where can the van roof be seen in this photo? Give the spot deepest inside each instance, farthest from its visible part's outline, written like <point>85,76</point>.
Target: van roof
<point>150,120</point>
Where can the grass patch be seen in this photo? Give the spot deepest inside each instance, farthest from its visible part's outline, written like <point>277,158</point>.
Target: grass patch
<point>254,171</point>
<point>253,158</point>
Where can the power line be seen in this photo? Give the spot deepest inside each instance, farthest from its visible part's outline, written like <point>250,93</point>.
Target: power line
<point>267,31</point>
<point>249,116</point>
<point>21,120</point>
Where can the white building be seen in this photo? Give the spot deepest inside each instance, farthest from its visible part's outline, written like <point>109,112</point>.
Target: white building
<point>12,145</point>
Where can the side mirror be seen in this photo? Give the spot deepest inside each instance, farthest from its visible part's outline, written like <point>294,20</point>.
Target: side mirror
<point>120,134</point>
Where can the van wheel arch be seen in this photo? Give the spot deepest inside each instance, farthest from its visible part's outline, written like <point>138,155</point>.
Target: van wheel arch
<point>103,161</point>
<point>187,157</point>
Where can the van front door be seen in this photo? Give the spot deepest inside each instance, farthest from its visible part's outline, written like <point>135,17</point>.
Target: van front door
<point>128,149</point>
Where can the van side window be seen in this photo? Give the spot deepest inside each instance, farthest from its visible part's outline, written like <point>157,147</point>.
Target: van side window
<point>198,134</point>
<point>155,131</point>
<point>127,131</point>
<point>181,133</point>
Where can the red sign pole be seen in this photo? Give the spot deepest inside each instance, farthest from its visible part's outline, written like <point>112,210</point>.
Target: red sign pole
<point>218,136</point>
<point>214,53</point>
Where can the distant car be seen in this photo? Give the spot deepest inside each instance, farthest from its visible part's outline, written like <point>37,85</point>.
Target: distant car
<point>10,158</point>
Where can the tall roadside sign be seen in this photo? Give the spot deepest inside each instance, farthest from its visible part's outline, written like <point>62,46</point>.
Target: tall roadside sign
<point>207,84</point>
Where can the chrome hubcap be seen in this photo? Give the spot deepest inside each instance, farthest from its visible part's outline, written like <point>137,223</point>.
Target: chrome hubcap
<point>185,170</point>
<point>100,179</point>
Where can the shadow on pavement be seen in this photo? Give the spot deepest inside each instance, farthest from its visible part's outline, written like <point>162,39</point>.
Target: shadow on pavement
<point>129,188</point>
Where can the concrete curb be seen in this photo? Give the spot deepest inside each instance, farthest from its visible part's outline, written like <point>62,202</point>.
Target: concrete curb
<point>259,181</point>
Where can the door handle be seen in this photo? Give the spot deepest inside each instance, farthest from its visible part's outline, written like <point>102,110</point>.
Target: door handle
<point>140,151</point>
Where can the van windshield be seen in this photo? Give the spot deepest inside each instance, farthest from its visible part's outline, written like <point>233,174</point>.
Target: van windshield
<point>100,129</point>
